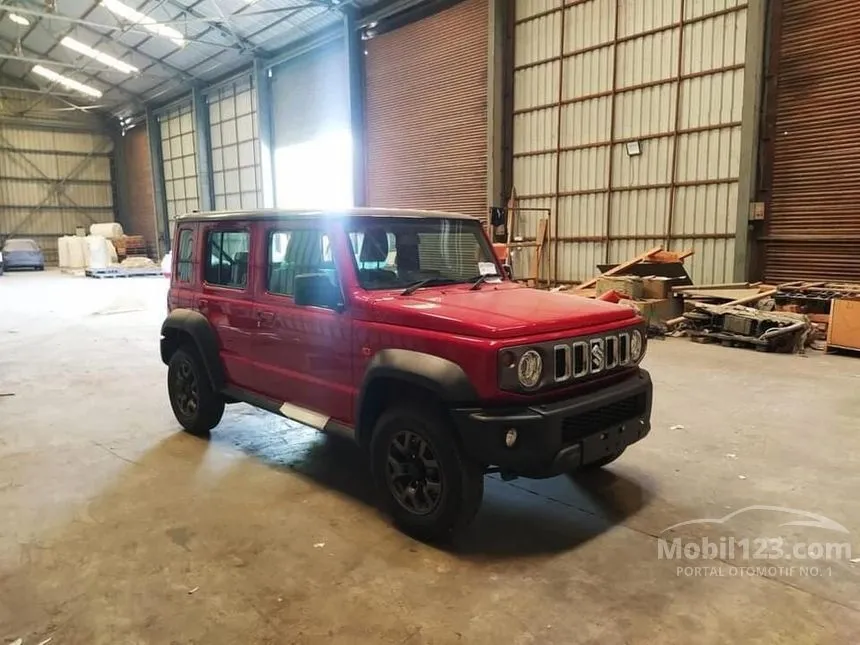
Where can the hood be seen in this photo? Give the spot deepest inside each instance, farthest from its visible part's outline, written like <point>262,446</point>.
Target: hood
<point>497,311</point>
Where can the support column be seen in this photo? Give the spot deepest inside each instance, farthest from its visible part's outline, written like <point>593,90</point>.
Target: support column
<point>757,12</point>
<point>498,58</point>
<point>156,160</point>
<point>203,138</point>
<point>266,132</point>
<point>355,74</point>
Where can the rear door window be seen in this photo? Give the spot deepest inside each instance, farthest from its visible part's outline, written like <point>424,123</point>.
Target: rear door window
<point>227,258</point>
<point>184,259</point>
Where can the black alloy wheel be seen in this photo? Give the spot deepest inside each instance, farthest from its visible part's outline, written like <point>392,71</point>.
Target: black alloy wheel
<point>196,405</point>
<point>413,474</point>
<point>431,488</point>
<point>187,395</point>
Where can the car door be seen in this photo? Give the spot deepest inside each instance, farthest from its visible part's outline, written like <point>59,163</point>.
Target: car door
<point>226,298</point>
<point>304,351</point>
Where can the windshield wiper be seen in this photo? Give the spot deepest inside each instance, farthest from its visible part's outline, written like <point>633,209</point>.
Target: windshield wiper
<point>481,279</point>
<point>426,282</point>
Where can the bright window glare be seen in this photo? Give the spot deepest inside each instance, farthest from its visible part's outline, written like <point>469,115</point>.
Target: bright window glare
<point>65,81</point>
<point>132,15</point>
<point>317,173</point>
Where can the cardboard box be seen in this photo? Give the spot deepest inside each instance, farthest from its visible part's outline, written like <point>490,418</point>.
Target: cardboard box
<point>844,328</point>
<point>656,288</point>
<point>628,286</point>
<point>654,311</point>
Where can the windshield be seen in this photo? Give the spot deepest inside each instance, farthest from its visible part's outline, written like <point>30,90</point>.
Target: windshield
<point>398,252</point>
<point>20,245</point>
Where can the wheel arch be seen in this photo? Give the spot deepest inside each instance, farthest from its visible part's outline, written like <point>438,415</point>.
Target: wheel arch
<point>395,374</point>
<point>188,326</point>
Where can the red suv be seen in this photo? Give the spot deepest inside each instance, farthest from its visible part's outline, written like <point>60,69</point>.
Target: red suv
<point>401,330</point>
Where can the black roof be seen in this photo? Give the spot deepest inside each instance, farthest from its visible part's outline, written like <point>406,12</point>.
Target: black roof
<point>278,213</point>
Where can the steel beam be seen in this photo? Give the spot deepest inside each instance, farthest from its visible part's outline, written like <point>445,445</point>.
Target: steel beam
<point>156,161</point>
<point>266,132</point>
<point>200,112</point>
<point>355,74</point>
<point>756,52</point>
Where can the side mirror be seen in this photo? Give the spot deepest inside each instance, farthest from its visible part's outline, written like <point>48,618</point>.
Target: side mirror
<point>316,290</point>
<point>509,272</point>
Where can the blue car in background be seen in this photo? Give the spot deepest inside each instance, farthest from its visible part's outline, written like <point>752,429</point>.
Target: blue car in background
<point>21,254</point>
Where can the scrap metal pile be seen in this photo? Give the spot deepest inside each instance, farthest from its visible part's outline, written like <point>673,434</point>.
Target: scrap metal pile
<point>737,325</point>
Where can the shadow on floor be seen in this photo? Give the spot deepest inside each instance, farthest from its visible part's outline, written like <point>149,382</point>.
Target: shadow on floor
<point>516,519</point>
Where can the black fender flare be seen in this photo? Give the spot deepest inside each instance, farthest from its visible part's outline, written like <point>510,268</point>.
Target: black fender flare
<point>447,380</point>
<point>197,327</point>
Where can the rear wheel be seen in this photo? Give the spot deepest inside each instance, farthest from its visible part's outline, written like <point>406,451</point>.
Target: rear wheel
<point>430,488</point>
<point>195,404</point>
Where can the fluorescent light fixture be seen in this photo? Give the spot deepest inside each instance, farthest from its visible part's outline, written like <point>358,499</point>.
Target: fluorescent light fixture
<point>65,81</point>
<point>101,57</point>
<point>132,15</point>
<point>18,20</point>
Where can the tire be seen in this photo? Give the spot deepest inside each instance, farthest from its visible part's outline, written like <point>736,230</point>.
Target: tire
<point>421,436</point>
<point>41,267</point>
<point>197,407</point>
<point>600,463</point>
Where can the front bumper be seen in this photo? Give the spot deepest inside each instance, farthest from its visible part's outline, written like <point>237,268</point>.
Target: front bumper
<point>560,437</point>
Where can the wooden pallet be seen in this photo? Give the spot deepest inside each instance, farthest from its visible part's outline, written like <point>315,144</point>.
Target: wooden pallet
<point>122,273</point>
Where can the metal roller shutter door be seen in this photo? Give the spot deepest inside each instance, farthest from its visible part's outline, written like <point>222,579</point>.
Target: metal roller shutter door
<point>426,112</point>
<point>813,219</point>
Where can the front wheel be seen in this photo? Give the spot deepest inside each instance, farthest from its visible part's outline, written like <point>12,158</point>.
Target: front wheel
<point>195,404</point>
<point>431,489</point>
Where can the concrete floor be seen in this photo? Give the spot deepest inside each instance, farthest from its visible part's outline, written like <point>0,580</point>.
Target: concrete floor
<point>110,517</point>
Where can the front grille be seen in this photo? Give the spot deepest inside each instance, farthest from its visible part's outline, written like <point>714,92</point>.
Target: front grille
<point>591,356</point>
<point>576,427</point>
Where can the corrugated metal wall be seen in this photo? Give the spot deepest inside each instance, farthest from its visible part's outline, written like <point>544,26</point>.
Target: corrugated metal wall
<point>813,215</point>
<point>180,162</point>
<point>427,112</point>
<point>236,169</point>
<point>52,181</point>
<point>602,74</point>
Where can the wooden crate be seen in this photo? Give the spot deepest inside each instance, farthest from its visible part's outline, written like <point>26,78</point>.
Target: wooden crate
<point>844,329</point>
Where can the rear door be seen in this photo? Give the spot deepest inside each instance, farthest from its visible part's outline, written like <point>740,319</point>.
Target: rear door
<point>226,298</point>
<point>305,352</point>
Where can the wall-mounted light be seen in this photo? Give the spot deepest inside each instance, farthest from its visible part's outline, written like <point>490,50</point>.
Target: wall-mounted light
<point>634,148</point>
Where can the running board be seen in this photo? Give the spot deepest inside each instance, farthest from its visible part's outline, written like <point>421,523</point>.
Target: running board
<point>291,411</point>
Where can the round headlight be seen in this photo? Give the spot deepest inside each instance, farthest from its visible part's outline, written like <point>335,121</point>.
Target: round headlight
<point>637,346</point>
<point>529,369</point>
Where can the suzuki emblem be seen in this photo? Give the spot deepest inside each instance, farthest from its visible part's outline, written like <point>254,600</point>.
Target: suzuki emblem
<point>597,354</point>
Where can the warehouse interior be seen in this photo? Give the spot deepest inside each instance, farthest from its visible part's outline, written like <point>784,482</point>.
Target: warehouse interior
<point>686,158</point>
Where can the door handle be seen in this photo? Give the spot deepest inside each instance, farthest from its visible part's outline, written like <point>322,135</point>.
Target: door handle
<point>266,316</point>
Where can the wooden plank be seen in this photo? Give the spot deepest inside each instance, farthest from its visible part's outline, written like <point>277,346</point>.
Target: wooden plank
<point>725,285</point>
<point>620,268</point>
<point>538,256</point>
